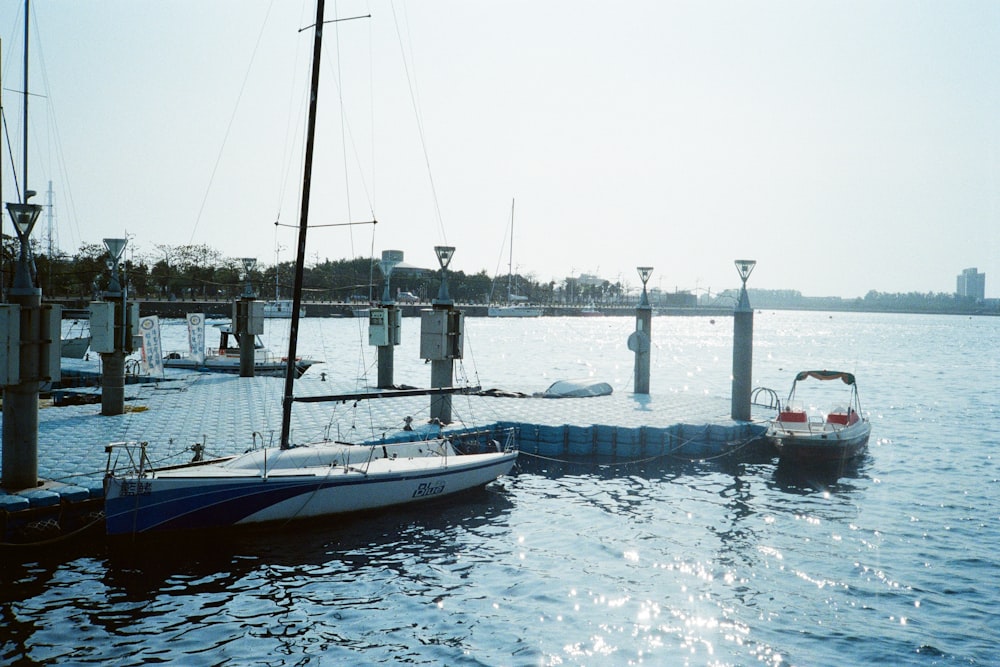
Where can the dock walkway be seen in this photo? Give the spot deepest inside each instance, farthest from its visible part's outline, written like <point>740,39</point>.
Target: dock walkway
<point>228,415</point>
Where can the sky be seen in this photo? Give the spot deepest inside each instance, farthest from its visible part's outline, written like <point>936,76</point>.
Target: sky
<point>844,145</point>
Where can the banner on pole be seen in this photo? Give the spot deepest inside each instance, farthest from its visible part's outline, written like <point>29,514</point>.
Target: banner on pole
<point>152,350</point>
<point>196,336</point>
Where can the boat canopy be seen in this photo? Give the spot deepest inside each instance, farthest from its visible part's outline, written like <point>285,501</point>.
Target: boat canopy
<point>846,378</point>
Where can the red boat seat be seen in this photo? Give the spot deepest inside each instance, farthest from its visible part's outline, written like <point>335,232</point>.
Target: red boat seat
<point>790,416</point>
<point>844,418</point>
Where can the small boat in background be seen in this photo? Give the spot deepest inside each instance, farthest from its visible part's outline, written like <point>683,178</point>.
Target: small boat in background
<point>814,439</point>
<point>226,359</point>
<point>517,305</point>
<point>76,342</point>
<point>281,308</point>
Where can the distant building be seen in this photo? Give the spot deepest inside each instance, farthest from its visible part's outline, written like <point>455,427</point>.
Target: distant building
<point>971,283</point>
<point>590,280</point>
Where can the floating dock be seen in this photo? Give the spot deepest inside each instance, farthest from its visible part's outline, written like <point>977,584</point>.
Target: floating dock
<point>227,414</point>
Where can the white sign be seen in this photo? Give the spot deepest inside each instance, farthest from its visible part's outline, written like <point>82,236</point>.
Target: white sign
<point>196,336</point>
<point>152,350</point>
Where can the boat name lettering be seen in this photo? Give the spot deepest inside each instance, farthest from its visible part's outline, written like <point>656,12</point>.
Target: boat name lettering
<point>136,487</point>
<point>428,489</point>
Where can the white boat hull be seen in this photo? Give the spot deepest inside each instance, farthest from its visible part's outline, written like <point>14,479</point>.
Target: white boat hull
<point>284,485</point>
<point>514,311</point>
<point>74,348</point>
<point>825,443</point>
<point>281,309</point>
<point>228,364</point>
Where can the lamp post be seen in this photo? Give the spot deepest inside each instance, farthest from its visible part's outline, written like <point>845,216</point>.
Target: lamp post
<point>644,273</point>
<point>384,323</point>
<point>441,339</point>
<point>444,254</point>
<point>24,216</point>
<point>744,267</point>
<point>20,398</point>
<point>639,341</point>
<point>246,324</point>
<point>113,362</point>
<point>390,259</point>
<point>742,346</point>
<point>249,264</point>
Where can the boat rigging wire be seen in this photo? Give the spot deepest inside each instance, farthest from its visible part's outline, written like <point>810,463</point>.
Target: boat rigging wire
<point>229,126</point>
<point>420,124</point>
<point>278,223</point>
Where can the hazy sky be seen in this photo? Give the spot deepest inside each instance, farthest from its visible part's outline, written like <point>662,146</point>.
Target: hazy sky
<point>846,146</point>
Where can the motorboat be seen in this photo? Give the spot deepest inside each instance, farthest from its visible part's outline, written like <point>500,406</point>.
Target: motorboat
<point>226,358</point>
<point>804,436</point>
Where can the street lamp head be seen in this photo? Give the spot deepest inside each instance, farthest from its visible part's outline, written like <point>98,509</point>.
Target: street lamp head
<point>390,259</point>
<point>644,273</point>
<point>386,267</point>
<point>115,247</point>
<point>444,254</point>
<point>745,268</point>
<point>249,264</point>
<point>24,217</point>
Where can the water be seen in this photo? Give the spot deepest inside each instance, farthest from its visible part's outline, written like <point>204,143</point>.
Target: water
<point>577,564</point>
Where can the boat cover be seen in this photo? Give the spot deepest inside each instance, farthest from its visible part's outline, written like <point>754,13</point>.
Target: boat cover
<point>577,389</point>
<point>846,378</point>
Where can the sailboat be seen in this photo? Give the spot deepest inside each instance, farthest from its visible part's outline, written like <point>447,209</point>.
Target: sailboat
<point>321,479</point>
<point>516,305</point>
<point>76,341</point>
<point>280,308</point>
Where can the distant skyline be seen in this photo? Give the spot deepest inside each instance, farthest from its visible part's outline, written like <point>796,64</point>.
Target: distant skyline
<point>846,146</point>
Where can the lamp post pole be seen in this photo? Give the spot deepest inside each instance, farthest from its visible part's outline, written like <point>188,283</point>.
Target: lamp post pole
<point>742,346</point>
<point>390,317</point>
<point>20,398</point>
<point>245,325</point>
<point>441,332</point>
<point>113,362</point>
<point>640,340</point>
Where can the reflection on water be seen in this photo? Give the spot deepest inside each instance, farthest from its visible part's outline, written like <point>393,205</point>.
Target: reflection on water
<point>832,478</point>
<point>726,562</point>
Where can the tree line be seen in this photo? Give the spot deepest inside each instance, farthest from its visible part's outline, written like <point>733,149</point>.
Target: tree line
<point>172,272</point>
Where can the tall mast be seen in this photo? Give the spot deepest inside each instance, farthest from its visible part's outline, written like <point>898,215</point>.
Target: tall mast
<point>24,169</point>
<point>3,289</point>
<point>510,253</point>
<point>300,255</point>
<point>277,295</point>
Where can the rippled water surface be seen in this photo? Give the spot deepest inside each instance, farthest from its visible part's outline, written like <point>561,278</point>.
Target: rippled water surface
<point>567,563</point>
